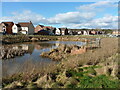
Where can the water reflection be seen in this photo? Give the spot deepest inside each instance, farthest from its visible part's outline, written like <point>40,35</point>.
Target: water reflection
<point>34,49</point>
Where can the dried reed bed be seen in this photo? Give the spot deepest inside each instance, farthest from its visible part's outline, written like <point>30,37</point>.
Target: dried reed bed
<point>108,47</point>
<point>28,70</point>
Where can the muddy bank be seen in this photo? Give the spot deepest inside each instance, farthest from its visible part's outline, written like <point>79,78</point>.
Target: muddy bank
<point>64,50</point>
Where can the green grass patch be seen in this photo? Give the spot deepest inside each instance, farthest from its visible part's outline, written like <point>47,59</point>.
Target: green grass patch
<point>87,81</point>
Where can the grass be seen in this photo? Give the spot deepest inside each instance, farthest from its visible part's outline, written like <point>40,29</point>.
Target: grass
<point>86,81</point>
<point>73,65</point>
<point>9,39</point>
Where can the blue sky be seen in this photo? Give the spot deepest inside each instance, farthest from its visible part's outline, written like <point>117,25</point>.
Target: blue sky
<point>101,14</point>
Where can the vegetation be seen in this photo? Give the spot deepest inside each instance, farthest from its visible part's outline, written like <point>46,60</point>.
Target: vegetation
<point>97,68</point>
<point>10,39</point>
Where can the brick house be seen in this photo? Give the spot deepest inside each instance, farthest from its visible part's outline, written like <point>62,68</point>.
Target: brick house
<point>116,32</point>
<point>6,27</point>
<point>38,28</point>
<point>41,29</point>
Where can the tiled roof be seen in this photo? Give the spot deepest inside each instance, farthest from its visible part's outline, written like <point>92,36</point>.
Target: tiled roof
<point>18,25</point>
<point>23,24</point>
<point>41,25</point>
<point>63,28</point>
<point>8,23</point>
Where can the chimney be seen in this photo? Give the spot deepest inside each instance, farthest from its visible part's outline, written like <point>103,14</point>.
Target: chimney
<point>30,22</point>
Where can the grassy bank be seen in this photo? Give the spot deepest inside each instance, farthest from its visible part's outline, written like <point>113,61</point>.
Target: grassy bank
<point>94,69</point>
<point>10,39</point>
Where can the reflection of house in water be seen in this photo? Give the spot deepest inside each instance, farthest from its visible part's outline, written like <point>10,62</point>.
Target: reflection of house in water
<point>24,47</point>
<point>30,48</point>
<point>57,44</point>
<point>39,46</point>
<point>15,47</point>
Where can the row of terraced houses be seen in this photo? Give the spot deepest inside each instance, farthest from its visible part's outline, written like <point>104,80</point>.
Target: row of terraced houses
<point>28,28</point>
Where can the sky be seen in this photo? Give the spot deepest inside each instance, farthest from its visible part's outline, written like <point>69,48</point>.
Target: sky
<point>100,14</point>
<point>57,0</point>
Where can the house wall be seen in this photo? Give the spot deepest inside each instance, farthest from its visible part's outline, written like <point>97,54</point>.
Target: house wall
<point>116,33</point>
<point>24,28</point>
<point>79,32</point>
<point>58,32</point>
<point>31,29</point>
<point>93,32</point>
<point>24,32</point>
<point>85,32</point>
<point>14,29</point>
<point>9,28</point>
<point>38,28</point>
<point>2,28</point>
<point>63,32</point>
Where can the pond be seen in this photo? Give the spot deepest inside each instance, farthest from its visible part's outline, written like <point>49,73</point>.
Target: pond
<point>34,49</point>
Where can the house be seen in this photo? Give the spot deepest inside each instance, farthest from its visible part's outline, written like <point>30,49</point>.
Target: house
<point>93,32</point>
<point>70,32</point>
<point>80,32</point>
<point>6,27</point>
<point>64,31</point>
<point>43,32</point>
<point>26,27</point>
<point>116,32</point>
<point>57,31</point>
<point>85,32</point>
<point>24,47</point>
<point>45,29</point>
<point>50,29</point>
<point>16,28</point>
<point>38,28</point>
<point>2,28</point>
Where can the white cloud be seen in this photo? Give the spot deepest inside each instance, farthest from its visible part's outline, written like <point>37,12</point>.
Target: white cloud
<point>97,6</point>
<point>71,17</point>
<point>104,22</point>
<point>76,19</point>
<point>26,15</point>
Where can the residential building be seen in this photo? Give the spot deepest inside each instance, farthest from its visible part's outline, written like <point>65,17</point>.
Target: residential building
<point>16,28</point>
<point>45,29</point>
<point>116,32</point>
<point>27,27</point>
<point>6,27</point>
<point>38,28</point>
<point>64,31</point>
<point>57,31</point>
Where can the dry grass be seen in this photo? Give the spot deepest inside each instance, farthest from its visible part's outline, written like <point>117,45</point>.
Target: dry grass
<point>31,70</point>
<point>109,47</point>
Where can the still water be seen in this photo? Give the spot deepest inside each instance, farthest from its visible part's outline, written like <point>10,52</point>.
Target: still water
<point>34,49</point>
